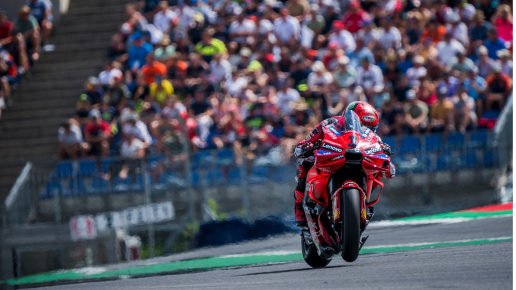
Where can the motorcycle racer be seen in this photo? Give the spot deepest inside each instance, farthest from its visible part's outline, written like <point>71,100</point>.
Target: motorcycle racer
<point>305,149</point>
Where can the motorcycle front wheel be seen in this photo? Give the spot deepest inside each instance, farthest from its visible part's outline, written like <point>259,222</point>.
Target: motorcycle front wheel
<point>350,229</point>
<point>310,255</point>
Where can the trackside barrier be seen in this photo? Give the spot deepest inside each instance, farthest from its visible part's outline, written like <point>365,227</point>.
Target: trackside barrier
<point>214,188</point>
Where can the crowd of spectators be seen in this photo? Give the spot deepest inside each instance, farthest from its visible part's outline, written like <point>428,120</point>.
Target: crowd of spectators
<point>252,74</point>
<point>20,43</point>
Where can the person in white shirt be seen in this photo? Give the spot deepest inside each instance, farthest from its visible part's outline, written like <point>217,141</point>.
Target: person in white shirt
<point>241,29</point>
<point>132,147</point>
<point>286,28</point>
<point>505,62</point>
<point>319,77</point>
<point>416,72</point>
<point>458,29</point>
<point>465,11</point>
<point>220,69</point>
<point>390,37</point>
<point>138,129</point>
<point>235,84</point>
<point>185,15</point>
<point>286,97</point>
<point>343,38</point>
<point>110,72</point>
<point>448,48</point>
<point>369,76</point>
<point>165,18</point>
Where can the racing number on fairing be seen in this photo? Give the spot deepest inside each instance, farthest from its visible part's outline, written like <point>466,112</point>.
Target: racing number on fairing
<point>353,141</point>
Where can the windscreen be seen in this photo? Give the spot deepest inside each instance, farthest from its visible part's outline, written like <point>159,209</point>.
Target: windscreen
<point>353,122</point>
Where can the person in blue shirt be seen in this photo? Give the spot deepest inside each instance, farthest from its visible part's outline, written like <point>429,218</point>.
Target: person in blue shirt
<point>138,51</point>
<point>361,51</point>
<point>493,43</point>
<point>479,28</point>
<point>42,11</point>
<point>475,86</point>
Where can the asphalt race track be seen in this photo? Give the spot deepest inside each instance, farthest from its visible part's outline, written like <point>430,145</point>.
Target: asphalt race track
<point>471,266</point>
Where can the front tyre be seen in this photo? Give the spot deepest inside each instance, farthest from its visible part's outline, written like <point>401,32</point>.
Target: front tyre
<point>350,229</point>
<point>310,255</point>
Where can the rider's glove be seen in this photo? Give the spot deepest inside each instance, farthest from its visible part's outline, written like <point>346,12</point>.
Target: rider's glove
<point>386,149</point>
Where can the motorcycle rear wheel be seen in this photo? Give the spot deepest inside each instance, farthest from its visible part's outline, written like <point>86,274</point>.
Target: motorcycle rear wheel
<point>350,229</point>
<point>310,255</point>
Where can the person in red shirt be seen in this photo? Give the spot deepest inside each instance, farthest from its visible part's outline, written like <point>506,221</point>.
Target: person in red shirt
<point>97,133</point>
<point>6,27</point>
<point>499,86</point>
<point>354,17</point>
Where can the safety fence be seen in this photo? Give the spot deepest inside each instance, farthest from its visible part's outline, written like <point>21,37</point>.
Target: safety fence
<point>167,203</point>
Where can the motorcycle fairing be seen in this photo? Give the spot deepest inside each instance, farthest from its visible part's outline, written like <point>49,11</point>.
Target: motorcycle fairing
<point>336,201</point>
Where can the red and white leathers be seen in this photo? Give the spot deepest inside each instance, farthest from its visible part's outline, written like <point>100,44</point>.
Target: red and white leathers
<point>305,150</point>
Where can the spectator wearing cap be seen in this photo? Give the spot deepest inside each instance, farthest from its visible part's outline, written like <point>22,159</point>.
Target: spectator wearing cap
<point>6,27</point>
<point>448,48</point>
<point>319,77</point>
<point>209,46</point>
<point>344,39</point>
<point>97,133</point>
<point>458,29</point>
<point>138,51</point>
<point>132,147</point>
<point>368,76</point>
<point>499,87</point>
<point>368,34</point>
<point>298,8</point>
<point>493,43</point>
<point>165,19</point>
<point>416,72</point>
<point>93,91</point>
<point>475,86</point>
<point>110,72</point>
<point>71,144</point>
<point>42,11</point>
<point>134,126</point>
<point>242,29</point>
<point>235,84</point>
<point>354,17</point>
<point>434,31</point>
<point>153,69</point>
<point>484,63</point>
<point>479,28</point>
<point>286,29</point>
<point>462,63</point>
<point>503,22</point>
<point>390,37</point>
<point>332,54</point>
<point>441,113</point>
<point>28,26</point>
<point>359,53</point>
<point>198,28</point>
<point>160,90</point>
<point>316,22</point>
<point>245,57</point>
<point>465,11</point>
<point>505,62</point>
<point>416,113</point>
<point>220,69</point>
<point>345,75</point>
<point>464,115</point>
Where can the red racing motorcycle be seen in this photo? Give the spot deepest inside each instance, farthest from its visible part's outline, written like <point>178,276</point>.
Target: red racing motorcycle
<point>338,195</point>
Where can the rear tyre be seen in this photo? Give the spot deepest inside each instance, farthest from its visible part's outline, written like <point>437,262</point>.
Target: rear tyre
<point>350,229</point>
<point>310,255</point>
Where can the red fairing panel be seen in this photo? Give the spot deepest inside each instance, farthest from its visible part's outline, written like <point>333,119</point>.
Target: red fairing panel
<point>336,200</point>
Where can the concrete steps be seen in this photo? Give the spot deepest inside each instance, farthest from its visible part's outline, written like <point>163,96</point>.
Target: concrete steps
<point>28,130</point>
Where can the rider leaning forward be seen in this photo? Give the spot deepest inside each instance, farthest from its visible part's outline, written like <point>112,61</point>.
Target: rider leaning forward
<point>305,149</point>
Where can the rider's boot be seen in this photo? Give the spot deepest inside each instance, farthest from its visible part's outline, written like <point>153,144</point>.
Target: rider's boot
<point>300,212</point>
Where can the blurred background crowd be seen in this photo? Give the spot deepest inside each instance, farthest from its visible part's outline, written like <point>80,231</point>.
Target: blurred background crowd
<point>252,74</point>
<point>20,42</point>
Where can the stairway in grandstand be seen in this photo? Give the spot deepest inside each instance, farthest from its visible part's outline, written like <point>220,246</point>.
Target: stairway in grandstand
<point>28,130</point>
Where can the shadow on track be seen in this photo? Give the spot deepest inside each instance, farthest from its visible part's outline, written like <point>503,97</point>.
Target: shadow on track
<point>302,269</point>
